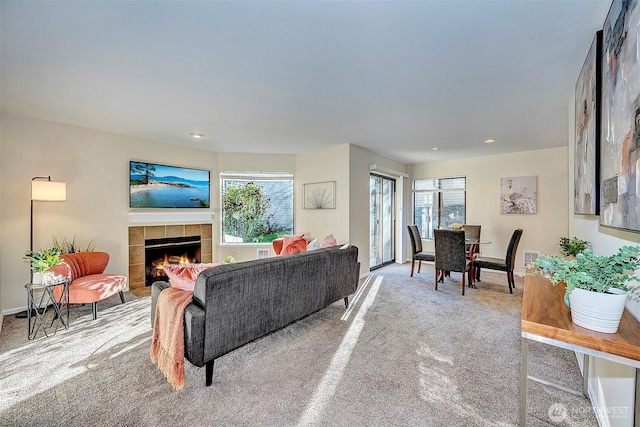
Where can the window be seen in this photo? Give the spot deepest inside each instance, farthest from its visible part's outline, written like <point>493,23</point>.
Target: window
<point>438,203</point>
<point>256,208</point>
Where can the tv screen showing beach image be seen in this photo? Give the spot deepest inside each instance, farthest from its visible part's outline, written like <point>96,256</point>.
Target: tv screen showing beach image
<point>161,186</point>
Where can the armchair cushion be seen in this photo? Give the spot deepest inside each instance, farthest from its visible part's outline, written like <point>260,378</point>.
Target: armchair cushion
<point>95,287</point>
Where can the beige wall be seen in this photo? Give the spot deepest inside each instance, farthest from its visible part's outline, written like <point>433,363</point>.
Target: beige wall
<point>541,230</point>
<point>2,236</point>
<point>329,164</point>
<point>241,162</point>
<point>95,167</point>
<point>359,193</point>
<point>612,384</point>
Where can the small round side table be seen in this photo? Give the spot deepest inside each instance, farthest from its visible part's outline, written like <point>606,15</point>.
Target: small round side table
<point>38,307</point>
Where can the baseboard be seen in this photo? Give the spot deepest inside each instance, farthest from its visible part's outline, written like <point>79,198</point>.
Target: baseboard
<point>13,310</point>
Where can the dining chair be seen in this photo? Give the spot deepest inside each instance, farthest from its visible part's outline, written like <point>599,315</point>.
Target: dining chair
<point>501,264</point>
<point>472,234</point>
<point>417,254</point>
<point>451,255</point>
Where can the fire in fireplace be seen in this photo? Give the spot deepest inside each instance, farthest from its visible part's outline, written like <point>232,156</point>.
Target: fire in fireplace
<point>170,250</point>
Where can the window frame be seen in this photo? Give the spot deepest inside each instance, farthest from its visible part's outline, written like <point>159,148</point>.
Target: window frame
<point>256,177</point>
<point>438,188</point>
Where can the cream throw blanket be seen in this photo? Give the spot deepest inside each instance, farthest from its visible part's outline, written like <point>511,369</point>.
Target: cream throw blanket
<point>167,346</point>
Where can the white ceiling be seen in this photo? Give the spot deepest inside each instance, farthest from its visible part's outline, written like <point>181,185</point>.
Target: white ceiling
<point>286,77</point>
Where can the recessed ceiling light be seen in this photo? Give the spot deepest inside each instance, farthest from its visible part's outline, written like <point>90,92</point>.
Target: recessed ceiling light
<point>435,149</point>
<point>489,141</point>
<point>196,135</point>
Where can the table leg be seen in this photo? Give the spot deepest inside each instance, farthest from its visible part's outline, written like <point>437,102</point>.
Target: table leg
<point>585,375</point>
<point>524,373</point>
<point>29,305</point>
<point>636,414</point>
<point>38,322</point>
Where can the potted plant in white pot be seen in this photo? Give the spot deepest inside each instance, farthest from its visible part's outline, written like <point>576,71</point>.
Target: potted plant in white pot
<point>42,261</point>
<point>597,286</point>
<point>570,247</point>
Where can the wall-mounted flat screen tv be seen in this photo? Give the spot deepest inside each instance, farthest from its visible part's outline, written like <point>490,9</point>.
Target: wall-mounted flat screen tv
<point>161,186</point>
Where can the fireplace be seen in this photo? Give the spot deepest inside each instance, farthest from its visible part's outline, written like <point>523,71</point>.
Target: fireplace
<point>169,250</point>
<point>140,234</point>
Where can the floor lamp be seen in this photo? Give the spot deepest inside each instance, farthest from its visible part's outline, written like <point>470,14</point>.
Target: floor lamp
<point>45,190</point>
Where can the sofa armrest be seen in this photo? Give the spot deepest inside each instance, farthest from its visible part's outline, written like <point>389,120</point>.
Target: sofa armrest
<point>156,288</point>
<point>194,317</point>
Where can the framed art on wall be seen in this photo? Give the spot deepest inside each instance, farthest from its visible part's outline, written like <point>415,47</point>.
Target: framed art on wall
<point>518,195</point>
<point>620,131</point>
<point>319,195</point>
<point>152,185</point>
<point>587,132</point>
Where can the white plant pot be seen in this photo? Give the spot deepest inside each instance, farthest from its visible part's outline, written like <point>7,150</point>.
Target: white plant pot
<point>37,278</point>
<point>597,311</point>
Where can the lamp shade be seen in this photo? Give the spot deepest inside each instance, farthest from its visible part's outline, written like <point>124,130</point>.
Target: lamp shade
<point>48,191</point>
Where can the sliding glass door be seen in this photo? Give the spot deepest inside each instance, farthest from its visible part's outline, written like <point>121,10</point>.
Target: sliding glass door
<point>382,221</point>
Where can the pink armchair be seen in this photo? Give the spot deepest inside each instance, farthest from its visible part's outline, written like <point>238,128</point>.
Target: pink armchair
<point>88,283</point>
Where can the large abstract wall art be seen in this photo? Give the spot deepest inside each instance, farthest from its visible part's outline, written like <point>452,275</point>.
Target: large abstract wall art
<point>620,133</point>
<point>587,132</point>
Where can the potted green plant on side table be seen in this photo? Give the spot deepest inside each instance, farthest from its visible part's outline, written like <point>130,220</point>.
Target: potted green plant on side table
<point>42,261</point>
<point>572,247</point>
<point>597,286</point>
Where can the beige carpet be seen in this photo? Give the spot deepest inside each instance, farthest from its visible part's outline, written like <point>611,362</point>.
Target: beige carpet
<point>403,355</point>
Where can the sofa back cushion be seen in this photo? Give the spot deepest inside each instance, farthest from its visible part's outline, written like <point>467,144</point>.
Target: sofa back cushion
<point>81,264</point>
<point>246,300</point>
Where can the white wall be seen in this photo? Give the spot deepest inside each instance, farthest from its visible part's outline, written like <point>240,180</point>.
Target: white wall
<point>348,165</point>
<point>359,192</point>
<point>612,385</point>
<point>2,236</point>
<point>243,162</point>
<point>329,164</point>
<point>95,167</point>
<point>541,230</point>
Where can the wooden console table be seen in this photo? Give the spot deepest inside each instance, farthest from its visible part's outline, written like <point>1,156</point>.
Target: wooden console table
<point>546,319</point>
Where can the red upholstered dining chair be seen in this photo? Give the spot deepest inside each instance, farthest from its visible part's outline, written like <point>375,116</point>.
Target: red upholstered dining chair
<point>417,254</point>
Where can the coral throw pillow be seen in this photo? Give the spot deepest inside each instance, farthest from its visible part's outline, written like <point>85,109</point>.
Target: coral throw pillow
<point>294,247</point>
<point>286,240</point>
<point>183,276</point>
<point>328,241</point>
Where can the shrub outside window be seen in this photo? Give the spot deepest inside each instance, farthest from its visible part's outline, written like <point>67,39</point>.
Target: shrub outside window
<point>438,203</point>
<point>256,208</point>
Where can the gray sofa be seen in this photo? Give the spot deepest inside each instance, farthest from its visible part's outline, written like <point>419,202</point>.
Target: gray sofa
<point>234,304</point>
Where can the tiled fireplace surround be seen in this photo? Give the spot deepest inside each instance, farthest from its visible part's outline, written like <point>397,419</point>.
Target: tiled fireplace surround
<point>138,235</point>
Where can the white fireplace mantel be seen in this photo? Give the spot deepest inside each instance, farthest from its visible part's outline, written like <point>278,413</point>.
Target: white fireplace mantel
<point>157,217</point>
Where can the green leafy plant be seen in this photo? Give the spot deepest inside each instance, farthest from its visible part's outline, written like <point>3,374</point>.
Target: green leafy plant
<point>572,247</point>
<point>596,273</point>
<point>44,259</point>
<point>70,247</point>
<point>229,260</point>
<point>246,214</point>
